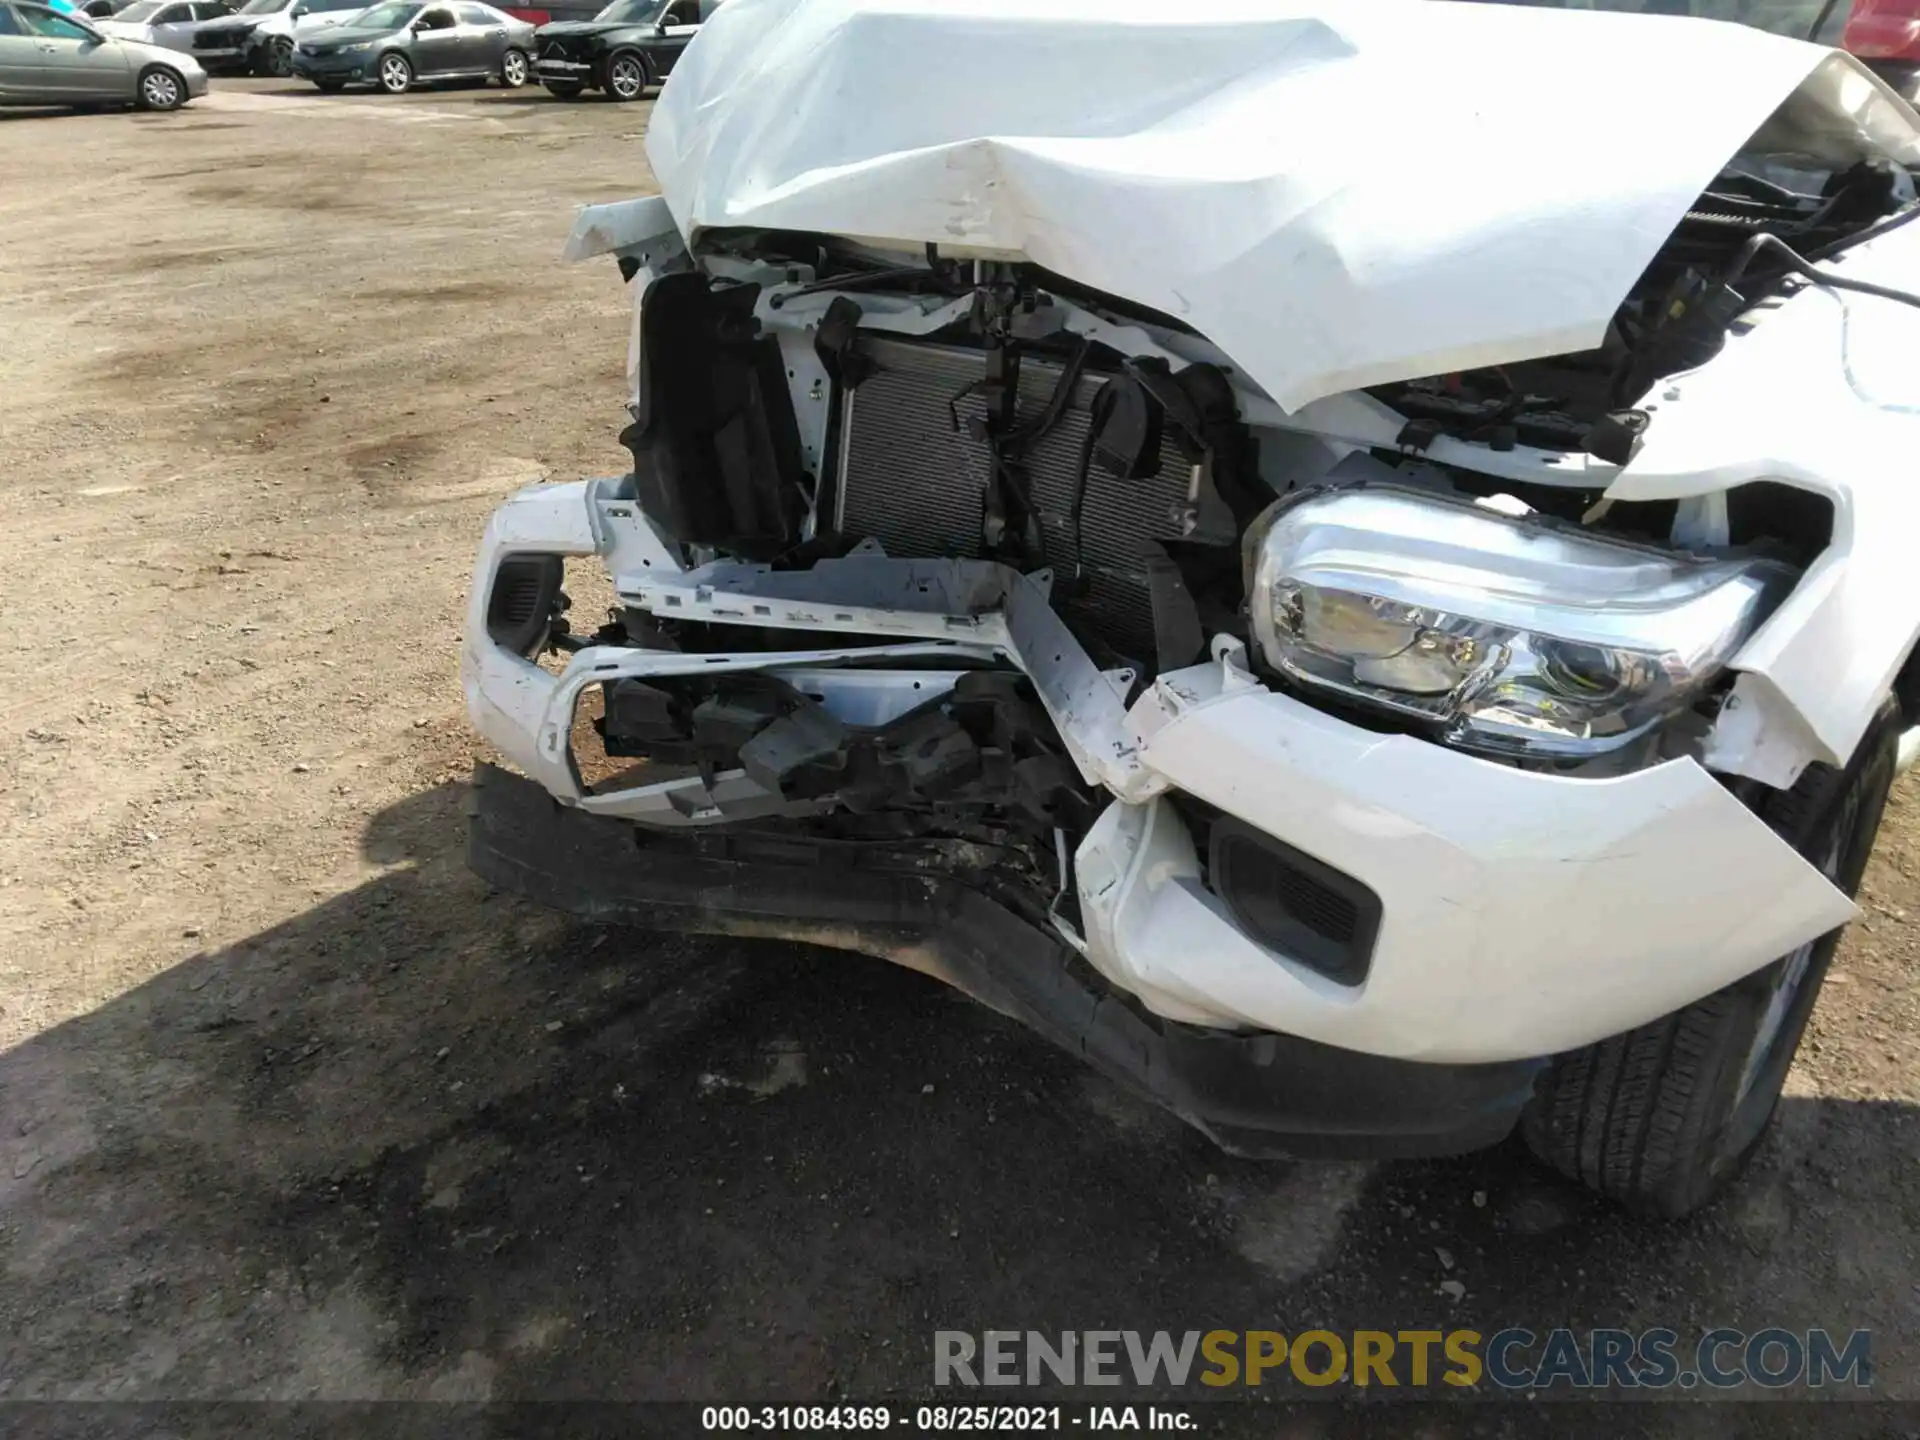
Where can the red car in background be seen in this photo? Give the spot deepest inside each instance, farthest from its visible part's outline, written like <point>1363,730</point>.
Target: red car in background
<point>1886,35</point>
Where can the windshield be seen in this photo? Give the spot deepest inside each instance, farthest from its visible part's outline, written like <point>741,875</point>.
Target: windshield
<point>140,12</point>
<point>632,12</point>
<point>1817,20</point>
<point>385,17</point>
<point>263,7</point>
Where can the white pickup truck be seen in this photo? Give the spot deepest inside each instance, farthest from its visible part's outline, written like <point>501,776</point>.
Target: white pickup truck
<point>1358,582</point>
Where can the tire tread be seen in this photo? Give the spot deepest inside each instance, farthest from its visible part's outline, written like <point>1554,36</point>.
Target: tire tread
<point>1646,1117</point>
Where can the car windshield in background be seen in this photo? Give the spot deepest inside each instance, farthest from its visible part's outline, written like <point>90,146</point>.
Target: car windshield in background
<point>263,7</point>
<point>385,17</point>
<point>141,12</point>
<point>1818,20</point>
<point>632,12</point>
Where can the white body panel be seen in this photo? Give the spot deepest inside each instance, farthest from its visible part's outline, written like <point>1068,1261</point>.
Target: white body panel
<point>1187,157</point>
<point>1523,913</point>
<point>1821,393</point>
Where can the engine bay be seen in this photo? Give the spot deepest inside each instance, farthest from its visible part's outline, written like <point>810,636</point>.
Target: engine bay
<point>803,403</point>
<point>1014,423</point>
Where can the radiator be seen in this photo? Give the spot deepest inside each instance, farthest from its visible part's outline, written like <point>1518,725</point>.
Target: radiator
<point>910,480</point>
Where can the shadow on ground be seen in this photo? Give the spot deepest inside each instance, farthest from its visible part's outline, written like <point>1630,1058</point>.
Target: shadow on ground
<point>427,1142</point>
<point>533,93</point>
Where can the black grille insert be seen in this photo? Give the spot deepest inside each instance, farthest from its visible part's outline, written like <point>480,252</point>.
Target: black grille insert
<point>520,610</point>
<point>1292,903</point>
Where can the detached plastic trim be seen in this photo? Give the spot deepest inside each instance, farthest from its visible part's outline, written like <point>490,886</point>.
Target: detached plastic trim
<point>1292,903</point>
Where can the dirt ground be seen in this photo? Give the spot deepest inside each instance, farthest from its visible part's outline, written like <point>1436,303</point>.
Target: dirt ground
<point>290,1107</point>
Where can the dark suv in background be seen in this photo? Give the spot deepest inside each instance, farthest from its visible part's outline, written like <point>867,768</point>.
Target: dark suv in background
<point>625,48</point>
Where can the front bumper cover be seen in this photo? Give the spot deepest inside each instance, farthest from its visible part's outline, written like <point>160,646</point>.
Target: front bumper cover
<point>1255,1094</point>
<point>1522,913</point>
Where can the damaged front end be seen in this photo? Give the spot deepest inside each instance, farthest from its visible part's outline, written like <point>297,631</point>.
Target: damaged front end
<point>1317,770</point>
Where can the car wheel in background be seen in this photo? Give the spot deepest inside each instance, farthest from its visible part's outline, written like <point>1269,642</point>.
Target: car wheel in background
<point>1663,1116</point>
<point>626,76</point>
<point>513,69</point>
<point>563,90</point>
<point>278,57</point>
<point>332,87</point>
<point>396,74</point>
<point>161,89</point>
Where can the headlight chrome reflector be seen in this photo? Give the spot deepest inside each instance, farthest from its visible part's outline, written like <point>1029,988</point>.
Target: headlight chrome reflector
<point>1511,636</point>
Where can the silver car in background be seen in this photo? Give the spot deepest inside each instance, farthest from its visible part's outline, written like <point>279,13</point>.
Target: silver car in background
<point>51,59</point>
<point>401,43</point>
<point>169,23</point>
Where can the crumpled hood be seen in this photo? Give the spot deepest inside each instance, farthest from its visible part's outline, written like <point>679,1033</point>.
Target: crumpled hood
<point>1336,194</point>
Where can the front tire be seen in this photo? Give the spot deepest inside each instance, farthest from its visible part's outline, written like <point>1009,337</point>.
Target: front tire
<point>626,76</point>
<point>1662,1117</point>
<point>161,89</point>
<point>277,58</point>
<point>514,69</point>
<point>396,73</point>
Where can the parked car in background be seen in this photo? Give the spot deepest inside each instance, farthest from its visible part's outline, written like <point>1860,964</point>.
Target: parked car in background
<point>169,23</point>
<point>625,48</point>
<point>259,38</point>
<point>47,58</point>
<point>402,43</point>
<point>99,9</point>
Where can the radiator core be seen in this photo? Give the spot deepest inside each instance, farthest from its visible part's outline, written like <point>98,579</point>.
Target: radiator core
<point>912,481</point>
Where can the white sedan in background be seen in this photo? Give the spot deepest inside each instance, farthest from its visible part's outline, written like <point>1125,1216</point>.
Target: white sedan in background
<point>168,23</point>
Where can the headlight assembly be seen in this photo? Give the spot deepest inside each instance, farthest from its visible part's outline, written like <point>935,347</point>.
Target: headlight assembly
<point>1509,636</point>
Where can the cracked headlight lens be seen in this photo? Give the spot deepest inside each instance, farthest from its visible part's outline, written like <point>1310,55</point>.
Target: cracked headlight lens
<point>1509,636</point>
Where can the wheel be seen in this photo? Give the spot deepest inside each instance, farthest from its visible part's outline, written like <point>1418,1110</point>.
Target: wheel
<point>277,58</point>
<point>396,74</point>
<point>1662,1117</point>
<point>161,89</point>
<point>513,69</point>
<point>563,89</point>
<point>626,76</point>
<point>332,87</point>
